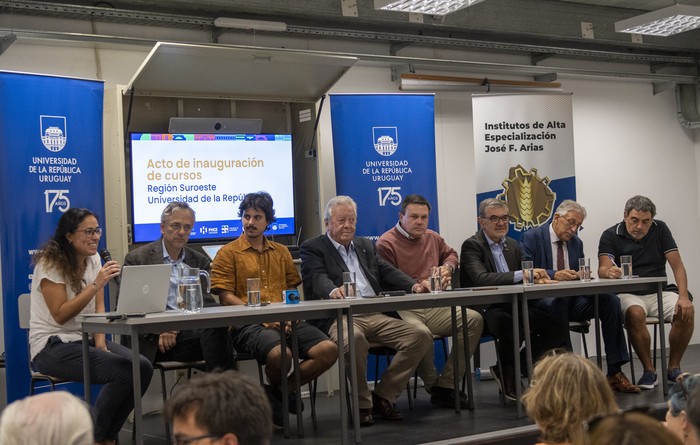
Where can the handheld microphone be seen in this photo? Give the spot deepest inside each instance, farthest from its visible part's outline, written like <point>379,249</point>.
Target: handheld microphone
<point>106,256</point>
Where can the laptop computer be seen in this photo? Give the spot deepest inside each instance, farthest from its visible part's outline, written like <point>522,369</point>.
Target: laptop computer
<point>144,289</point>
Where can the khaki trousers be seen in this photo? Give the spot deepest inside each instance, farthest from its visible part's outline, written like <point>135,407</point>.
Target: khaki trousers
<point>409,342</point>
<point>438,321</point>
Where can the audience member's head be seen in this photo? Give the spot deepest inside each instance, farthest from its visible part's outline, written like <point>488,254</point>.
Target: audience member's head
<point>53,418</point>
<point>566,390</point>
<point>630,428</point>
<point>228,407</point>
<point>683,415</point>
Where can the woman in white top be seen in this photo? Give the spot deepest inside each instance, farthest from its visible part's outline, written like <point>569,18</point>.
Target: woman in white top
<point>69,280</point>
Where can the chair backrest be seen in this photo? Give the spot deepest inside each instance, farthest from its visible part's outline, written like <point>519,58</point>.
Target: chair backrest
<point>23,309</point>
<point>23,306</point>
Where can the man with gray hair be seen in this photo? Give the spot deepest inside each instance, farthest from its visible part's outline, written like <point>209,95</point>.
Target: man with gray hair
<point>176,223</point>
<point>324,259</point>
<point>556,247</point>
<point>226,408</point>
<point>490,258</point>
<point>53,418</point>
<point>650,244</point>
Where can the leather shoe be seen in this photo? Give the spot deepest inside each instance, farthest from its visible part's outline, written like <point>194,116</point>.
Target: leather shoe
<point>445,397</point>
<point>620,383</point>
<point>382,407</point>
<point>366,418</point>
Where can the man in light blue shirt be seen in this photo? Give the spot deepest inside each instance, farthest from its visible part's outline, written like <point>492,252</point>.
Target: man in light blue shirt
<point>177,221</point>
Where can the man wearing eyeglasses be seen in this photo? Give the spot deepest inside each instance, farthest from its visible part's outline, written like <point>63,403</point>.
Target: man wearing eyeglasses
<point>227,409</point>
<point>176,223</point>
<point>557,248</point>
<point>490,258</point>
<point>650,243</point>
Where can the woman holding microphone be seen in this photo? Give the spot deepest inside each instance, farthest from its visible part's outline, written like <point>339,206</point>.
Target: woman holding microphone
<point>69,280</point>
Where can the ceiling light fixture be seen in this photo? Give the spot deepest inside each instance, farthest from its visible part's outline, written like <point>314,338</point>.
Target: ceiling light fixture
<point>255,25</point>
<point>432,7</point>
<point>428,82</point>
<point>662,22</point>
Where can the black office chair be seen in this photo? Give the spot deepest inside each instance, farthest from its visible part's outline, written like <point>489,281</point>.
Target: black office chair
<point>583,328</point>
<point>167,366</point>
<point>244,356</point>
<point>24,309</point>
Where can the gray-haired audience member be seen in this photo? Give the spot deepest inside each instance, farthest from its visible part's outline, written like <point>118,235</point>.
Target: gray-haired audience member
<point>54,418</point>
<point>226,408</point>
<point>683,415</point>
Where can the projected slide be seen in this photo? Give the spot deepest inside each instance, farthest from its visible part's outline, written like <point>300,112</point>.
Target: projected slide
<point>212,173</point>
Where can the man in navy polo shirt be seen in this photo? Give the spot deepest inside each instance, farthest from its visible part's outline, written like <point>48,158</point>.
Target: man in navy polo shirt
<point>556,247</point>
<point>650,243</point>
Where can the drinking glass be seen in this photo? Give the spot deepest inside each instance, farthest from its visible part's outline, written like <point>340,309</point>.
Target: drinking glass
<point>626,266</point>
<point>435,280</point>
<point>584,268</point>
<point>528,273</point>
<point>253,292</point>
<point>349,285</point>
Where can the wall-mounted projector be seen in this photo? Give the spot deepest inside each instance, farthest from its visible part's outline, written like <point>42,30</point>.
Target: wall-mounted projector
<point>214,125</point>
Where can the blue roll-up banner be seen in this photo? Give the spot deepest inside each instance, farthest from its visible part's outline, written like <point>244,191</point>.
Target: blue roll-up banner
<point>384,149</point>
<point>524,154</point>
<point>52,160</point>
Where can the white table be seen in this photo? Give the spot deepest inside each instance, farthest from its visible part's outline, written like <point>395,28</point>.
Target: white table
<point>211,318</point>
<point>453,299</point>
<point>594,287</point>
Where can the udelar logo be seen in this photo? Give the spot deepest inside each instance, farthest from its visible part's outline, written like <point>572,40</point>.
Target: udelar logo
<point>386,140</point>
<point>53,132</point>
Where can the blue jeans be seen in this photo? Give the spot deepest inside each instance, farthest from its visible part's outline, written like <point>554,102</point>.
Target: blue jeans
<point>112,369</point>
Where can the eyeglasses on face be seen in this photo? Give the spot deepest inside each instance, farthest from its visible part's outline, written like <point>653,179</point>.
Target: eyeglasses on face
<point>681,380</point>
<point>496,219</point>
<point>184,440</point>
<point>570,223</point>
<point>91,231</point>
<point>176,227</point>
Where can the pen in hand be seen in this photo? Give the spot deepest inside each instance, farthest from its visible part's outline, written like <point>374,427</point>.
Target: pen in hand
<point>614,267</point>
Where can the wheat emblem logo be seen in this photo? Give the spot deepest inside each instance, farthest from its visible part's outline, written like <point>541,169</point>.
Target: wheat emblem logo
<point>530,200</point>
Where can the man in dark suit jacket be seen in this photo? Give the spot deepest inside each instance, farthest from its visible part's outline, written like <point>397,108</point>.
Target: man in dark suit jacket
<point>544,245</point>
<point>211,345</point>
<point>490,258</point>
<point>324,259</point>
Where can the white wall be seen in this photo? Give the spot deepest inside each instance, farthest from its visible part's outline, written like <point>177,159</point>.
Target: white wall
<point>627,141</point>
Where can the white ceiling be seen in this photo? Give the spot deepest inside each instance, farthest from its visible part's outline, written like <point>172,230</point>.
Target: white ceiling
<point>543,30</point>
<point>634,4</point>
